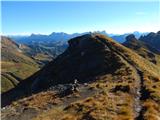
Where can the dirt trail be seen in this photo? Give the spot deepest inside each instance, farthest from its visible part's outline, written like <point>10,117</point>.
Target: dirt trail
<point>137,74</point>
<point>136,91</point>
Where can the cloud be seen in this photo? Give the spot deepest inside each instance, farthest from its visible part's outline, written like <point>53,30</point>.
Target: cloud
<point>141,13</point>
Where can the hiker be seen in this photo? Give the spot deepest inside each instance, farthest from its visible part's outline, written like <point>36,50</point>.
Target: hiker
<point>75,85</point>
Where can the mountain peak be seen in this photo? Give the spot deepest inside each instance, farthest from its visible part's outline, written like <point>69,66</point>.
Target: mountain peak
<point>130,37</point>
<point>57,33</point>
<point>158,32</point>
<point>80,61</point>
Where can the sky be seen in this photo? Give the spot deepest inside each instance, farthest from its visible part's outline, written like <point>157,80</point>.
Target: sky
<point>40,17</point>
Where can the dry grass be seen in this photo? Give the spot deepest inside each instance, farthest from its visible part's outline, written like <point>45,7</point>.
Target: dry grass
<point>152,110</point>
<point>11,71</point>
<point>38,101</point>
<point>103,106</point>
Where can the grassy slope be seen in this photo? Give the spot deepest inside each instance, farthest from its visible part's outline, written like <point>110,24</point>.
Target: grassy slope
<point>16,66</point>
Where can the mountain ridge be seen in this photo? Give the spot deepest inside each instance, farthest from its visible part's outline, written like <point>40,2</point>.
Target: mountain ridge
<point>62,36</point>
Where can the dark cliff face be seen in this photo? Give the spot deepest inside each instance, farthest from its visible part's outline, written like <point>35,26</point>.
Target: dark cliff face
<point>86,57</point>
<point>130,37</point>
<point>153,39</point>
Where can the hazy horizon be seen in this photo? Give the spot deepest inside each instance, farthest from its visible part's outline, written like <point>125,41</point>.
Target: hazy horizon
<point>29,34</point>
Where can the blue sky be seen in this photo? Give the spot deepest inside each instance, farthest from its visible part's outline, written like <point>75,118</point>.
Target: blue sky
<point>28,17</point>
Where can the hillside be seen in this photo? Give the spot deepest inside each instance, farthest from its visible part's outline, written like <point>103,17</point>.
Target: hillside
<point>114,82</point>
<point>16,65</point>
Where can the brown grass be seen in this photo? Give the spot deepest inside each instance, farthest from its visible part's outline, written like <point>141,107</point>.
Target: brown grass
<point>38,101</point>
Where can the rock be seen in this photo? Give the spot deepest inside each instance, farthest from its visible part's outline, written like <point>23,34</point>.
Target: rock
<point>121,88</point>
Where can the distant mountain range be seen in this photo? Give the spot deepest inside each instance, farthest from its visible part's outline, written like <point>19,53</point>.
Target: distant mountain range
<point>64,37</point>
<point>39,38</point>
